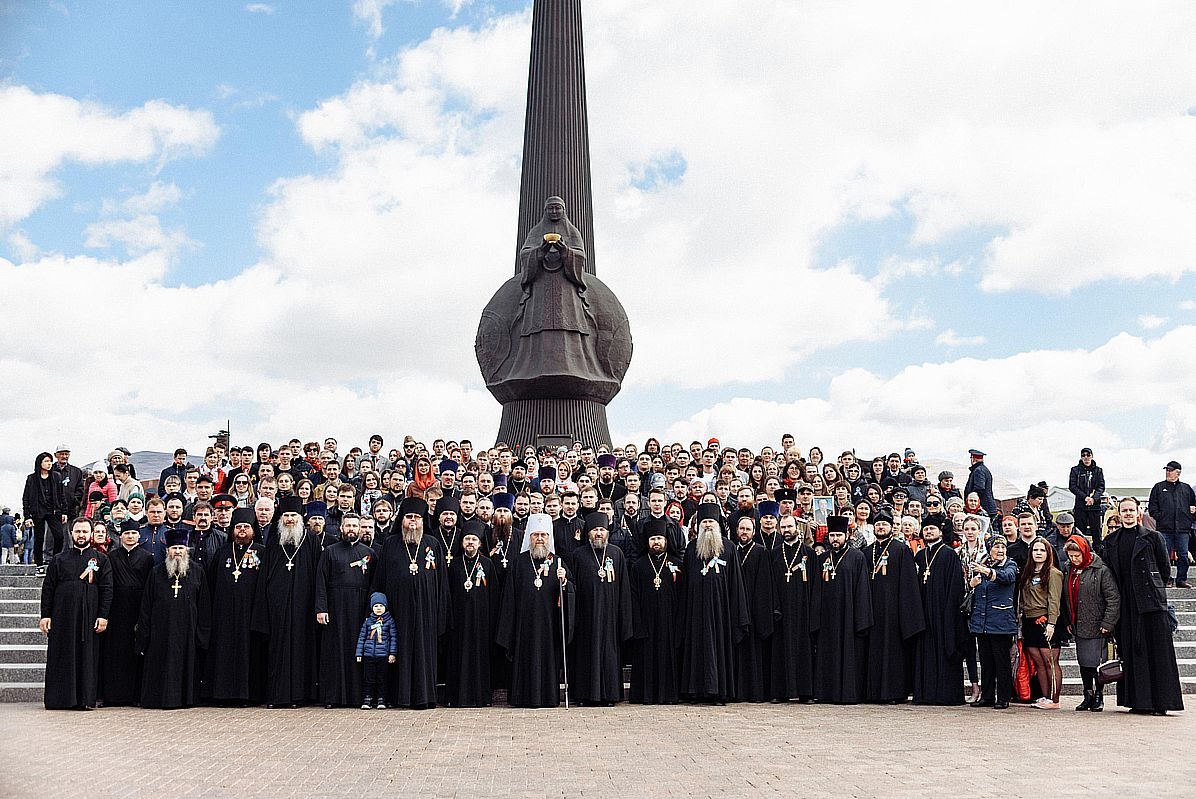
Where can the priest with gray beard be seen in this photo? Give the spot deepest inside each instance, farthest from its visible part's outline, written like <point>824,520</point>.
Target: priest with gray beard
<point>714,616</point>
<point>174,624</point>
<point>602,615</point>
<point>284,608</point>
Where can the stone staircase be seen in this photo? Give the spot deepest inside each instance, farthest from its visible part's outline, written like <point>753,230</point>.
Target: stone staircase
<point>23,647</point>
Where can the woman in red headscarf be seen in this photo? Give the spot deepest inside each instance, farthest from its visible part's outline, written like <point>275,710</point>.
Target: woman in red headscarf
<point>1093,604</point>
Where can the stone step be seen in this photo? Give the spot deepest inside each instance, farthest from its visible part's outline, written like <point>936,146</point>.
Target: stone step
<point>23,672</point>
<point>21,692</point>
<point>20,606</point>
<point>20,592</point>
<point>17,569</point>
<point>20,635</point>
<point>23,653</point>
<point>20,581</point>
<point>18,619</point>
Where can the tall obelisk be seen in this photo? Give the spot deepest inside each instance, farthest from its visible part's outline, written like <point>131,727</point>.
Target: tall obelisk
<point>554,342</point>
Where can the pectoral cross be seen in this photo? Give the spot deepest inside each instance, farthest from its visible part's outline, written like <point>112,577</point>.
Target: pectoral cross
<point>925,576</point>
<point>290,565</point>
<point>448,559</point>
<point>176,587</point>
<point>788,575</point>
<point>237,574</point>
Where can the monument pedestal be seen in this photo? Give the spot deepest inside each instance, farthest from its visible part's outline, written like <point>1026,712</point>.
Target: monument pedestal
<point>553,422</point>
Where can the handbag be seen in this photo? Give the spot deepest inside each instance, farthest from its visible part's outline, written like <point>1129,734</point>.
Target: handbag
<point>969,601</point>
<point>1111,670</point>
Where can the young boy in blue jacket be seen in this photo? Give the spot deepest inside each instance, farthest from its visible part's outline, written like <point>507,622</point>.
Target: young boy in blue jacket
<point>377,645</point>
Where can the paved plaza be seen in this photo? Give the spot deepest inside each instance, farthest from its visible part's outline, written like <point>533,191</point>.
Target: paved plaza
<point>643,752</point>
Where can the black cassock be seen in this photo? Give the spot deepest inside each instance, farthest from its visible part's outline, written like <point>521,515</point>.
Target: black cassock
<point>896,619</point>
<point>656,625</point>
<point>602,622</point>
<point>120,662</point>
<point>470,637</point>
<point>714,620</point>
<point>845,618</point>
<point>419,605</point>
<point>753,654</point>
<point>76,590</point>
<point>500,666</point>
<point>343,592</point>
<point>285,610</point>
<point>236,658</point>
<point>939,651</point>
<point>795,572</point>
<point>173,627</point>
<point>529,629</point>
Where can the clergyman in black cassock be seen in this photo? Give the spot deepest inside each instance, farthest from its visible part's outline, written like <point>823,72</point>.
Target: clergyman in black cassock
<point>656,597</point>
<point>794,568</point>
<point>284,608</point>
<point>174,624</point>
<point>529,622</point>
<point>846,618</point>
<point>896,615</point>
<point>474,594</point>
<point>342,601</point>
<point>753,653</point>
<point>602,615</point>
<point>76,595</point>
<point>714,616</point>
<point>120,662</point>
<point>236,658</point>
<point>939,651</point>
<point>412,575</point>
<point>505,541</point>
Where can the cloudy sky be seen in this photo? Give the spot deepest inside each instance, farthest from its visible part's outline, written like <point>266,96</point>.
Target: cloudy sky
<point>870,225</point>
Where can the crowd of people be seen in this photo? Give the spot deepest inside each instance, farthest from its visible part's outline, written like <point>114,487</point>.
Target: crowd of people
<point>295,574</point>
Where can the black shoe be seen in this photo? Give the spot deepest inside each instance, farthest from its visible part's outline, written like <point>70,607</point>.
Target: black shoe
<point>1098,701</point>
<point>1000,705</point>
<point>329,707</point>
<point>984,703</point>
<point>1158,712</point>
<point>1087,703</point>
<point>1182,584</point>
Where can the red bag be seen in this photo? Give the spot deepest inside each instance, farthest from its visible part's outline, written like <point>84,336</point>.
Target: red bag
<point>1022,674</point>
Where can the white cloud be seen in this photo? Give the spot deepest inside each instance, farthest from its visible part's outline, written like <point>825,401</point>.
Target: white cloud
<point>55,129</point>
<point>158,196</point>
<point>1151,321</point>
<point>949,338</point>
<point>369,12</point>
<point>22,246</point>
<point>1187,305</point>
<point>260,8</point>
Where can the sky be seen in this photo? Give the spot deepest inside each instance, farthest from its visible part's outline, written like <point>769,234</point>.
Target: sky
<point>870,225</point>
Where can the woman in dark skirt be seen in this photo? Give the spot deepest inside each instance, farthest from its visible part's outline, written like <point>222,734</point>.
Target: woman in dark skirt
<point>1141,566</point>
<point>1093,605</point>
<point>1041,592</point>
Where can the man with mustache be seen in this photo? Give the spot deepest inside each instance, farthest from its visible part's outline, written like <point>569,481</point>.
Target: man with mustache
<point>474,590</point>
<point>236,658</point>
<point>844,620</point>
<point>656,595</point>
<point>602,615</point>
<point>342,592</point>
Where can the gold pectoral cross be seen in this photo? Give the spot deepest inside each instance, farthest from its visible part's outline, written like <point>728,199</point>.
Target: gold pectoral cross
<point>237,575</point>
<point>176,587</point>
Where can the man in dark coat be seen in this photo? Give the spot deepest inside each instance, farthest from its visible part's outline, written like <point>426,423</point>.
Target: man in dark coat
<point>602,615</point>
<point>1087,484</point>
<point>174,625</point>
<point>798,594</point>
<point>1140,564</point>
<point>342,601</point>
<point>1172,505</point>
<point>411,573</point>
<point>752,654</point>
<point>284,608</point>
<point>656,593</point>
<point>537,592</point>
<point>120,661</point>
<point>980,480</point>
<point>236,658</point>
<point>76,600</point>
<point>845,619</point>
<point>939,651</point>
<point>715,616</point>
<point>896,613</point>
<point>474,593</point>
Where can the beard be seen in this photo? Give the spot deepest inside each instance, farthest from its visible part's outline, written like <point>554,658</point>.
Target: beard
<point>598,541</point>
<point>502,529</point>
<point>289,535</point>
<point>177,567</point>
<point>710,544</point>
<point>411,536</point>
<point>350,538</point>
<point>539,551</point>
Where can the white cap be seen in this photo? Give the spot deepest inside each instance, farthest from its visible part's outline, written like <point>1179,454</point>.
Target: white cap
<point>538,523</point>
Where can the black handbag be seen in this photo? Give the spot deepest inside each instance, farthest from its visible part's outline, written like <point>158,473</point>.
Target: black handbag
<point>1110,671</point>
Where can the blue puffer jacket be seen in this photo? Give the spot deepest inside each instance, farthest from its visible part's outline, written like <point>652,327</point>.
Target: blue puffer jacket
<point>993,608</point>
<point>379,636</point>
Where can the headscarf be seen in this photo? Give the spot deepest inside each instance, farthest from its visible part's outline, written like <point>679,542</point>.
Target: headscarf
<point>1076,572</point>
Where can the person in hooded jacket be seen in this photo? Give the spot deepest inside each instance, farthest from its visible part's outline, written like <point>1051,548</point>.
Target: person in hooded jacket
<point>377,646</point>
<point>1093,605</point>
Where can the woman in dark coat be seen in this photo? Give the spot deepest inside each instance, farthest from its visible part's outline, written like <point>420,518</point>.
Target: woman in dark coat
<point>43,502</point>
<point>1140,564</point>
<point>1094,605</point>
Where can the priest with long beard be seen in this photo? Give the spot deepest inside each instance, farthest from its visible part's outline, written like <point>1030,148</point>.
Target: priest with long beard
<point>284,608</point>
<point>342,600</point>
<point>845,619</point>
<point>602,616</point>
<point>529,627</point>
<point>939,651</point>
<point>715,615</point>
<point>474,591</point>
<point>236,661</point>
<point>656,594</point>
<point>503,524</point>
<point>411,573</point>
<point>174,625</point>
